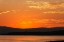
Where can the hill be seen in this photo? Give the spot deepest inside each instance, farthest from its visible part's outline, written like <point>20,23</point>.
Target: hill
<point>34,31</point>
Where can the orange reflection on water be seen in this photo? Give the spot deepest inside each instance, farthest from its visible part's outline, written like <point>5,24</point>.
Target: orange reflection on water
<point>29,38</point>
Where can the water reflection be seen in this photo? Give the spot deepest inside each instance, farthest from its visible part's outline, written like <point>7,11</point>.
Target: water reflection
<point>29,38</point>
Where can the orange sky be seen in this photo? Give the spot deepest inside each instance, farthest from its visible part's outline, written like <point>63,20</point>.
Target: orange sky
<point>31,13</point>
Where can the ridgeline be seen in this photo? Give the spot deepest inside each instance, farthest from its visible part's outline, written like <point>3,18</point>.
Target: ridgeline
<point>33,31</point>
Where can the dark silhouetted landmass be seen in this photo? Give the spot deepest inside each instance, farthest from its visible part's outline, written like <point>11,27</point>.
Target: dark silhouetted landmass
<point>34,31</point>
<point>57,41</point>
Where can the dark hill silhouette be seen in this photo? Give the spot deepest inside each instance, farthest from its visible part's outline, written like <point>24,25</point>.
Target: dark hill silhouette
<point>5,30</point>
<point>57,41</point>
<point>34,31</point>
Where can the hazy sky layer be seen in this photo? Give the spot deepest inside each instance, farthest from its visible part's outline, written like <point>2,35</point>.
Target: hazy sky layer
<point>31,13</point>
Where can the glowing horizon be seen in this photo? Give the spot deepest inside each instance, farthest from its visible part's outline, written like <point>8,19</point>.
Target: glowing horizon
<point>32,13</point>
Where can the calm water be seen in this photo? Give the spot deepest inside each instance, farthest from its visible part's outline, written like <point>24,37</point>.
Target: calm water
<point>30,38</point>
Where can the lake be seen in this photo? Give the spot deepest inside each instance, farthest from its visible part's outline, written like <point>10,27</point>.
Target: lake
<point>28,38</point>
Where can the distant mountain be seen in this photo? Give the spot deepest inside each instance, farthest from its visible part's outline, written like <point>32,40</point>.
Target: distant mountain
<point>5,30</point>
<point>33,31</point>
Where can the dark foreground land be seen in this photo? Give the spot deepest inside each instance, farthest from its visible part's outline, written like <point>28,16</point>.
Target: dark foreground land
<point>57,41</point>
<point>35,31</point>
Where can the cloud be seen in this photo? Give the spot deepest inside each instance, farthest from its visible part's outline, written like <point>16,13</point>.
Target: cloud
<point>48,7</point>
<point>45,5</point>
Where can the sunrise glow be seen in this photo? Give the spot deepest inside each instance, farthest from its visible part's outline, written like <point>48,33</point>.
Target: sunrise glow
<point>31,13</point>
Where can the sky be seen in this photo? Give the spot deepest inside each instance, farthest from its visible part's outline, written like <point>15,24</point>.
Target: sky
<point>32,13</point>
